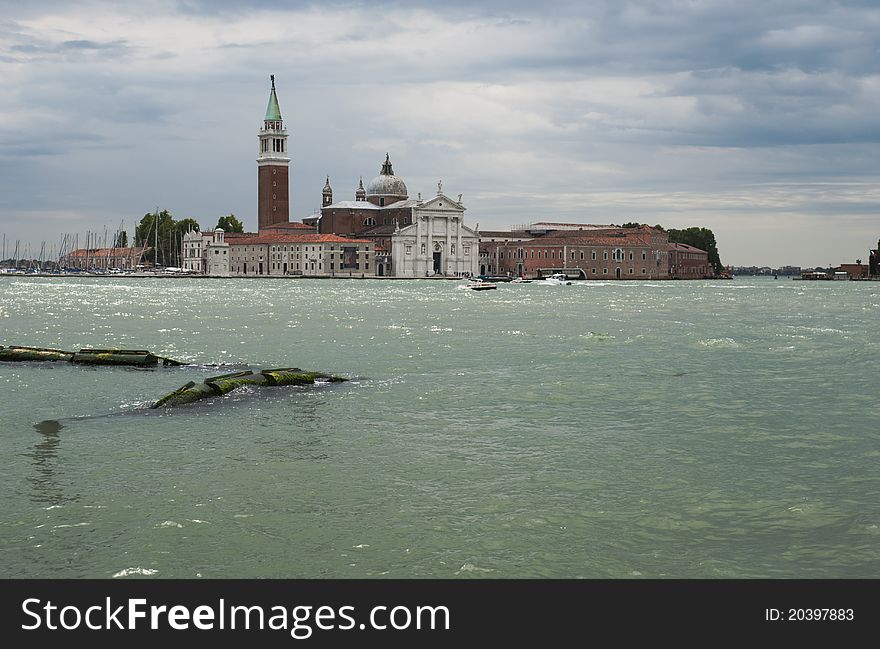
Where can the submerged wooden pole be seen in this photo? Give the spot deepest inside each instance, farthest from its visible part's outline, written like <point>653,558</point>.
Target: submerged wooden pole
<point>225,383</point>
<point>129,357</point>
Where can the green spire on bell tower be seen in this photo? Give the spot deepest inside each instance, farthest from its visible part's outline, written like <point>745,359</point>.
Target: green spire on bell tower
<point>273,110</point>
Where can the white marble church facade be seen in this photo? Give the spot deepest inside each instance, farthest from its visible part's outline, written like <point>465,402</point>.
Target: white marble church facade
<point>437,242</point>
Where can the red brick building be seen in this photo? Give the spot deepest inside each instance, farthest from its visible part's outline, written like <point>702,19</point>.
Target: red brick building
<point>273,201</point>
<point>687,262</point>
<point>595,253</point>
<point>854,271</point>
<point>385,202</point>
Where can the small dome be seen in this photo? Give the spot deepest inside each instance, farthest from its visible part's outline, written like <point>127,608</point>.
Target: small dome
<point>386,183</point>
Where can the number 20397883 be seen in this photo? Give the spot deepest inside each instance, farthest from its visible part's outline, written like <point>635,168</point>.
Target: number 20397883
<point>809,614</point>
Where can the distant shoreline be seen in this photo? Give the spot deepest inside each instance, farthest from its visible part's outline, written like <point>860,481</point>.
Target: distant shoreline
<point>117,276</point>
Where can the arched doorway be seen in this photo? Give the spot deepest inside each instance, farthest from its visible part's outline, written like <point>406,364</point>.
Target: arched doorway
<point>380,271</point>
<point>437,258</point>
<point>617,273</point>
<point>482,270</point>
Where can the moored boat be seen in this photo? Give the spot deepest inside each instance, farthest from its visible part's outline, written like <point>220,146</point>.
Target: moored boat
<point>557,279</point>
<point>480,285</point>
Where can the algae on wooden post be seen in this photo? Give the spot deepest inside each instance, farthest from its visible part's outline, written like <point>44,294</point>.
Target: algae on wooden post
<point>225,383</point>
<point>20,353</point>
<point>131,357</point>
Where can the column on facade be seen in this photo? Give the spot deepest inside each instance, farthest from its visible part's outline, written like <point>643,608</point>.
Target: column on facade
<point>417,262</point>
<point>460,255</point>
<point>429,262</point>
<point>449,259</point>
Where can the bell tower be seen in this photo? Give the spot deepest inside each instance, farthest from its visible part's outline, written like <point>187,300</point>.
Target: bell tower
<point>273,203</point>
<point>327,194</point>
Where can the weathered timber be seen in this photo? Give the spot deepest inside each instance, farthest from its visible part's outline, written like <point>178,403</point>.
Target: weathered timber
<point>129,357</point>
<point>18,353</point>
<point>225,383</point>
<point>186,394</point>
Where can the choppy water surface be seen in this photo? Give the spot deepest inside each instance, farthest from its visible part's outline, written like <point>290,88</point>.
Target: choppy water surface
<point>676,429</point>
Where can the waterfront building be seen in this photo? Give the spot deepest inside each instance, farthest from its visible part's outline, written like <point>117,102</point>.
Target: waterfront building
<point>313,255</point>
<point>207,253</point>
<point>688,262</point>
<point>587,253</point>
<point>412,237</point>
<point>104,258</point>
<point>874,261</point>
<point>853,271</point>
<point>437,242</point>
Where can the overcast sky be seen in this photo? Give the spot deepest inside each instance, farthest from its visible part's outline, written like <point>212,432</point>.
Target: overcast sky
<point>757,119</point>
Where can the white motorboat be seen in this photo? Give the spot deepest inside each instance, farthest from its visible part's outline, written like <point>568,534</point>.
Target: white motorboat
<point>477,284</point>
<point>557,279</point>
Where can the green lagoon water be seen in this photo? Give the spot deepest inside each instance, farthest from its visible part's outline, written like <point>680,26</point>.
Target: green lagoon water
<point>659,430</point>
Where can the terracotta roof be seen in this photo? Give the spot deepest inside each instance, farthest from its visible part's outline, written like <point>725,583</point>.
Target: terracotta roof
<point>295,238</point>
<point>506,234</point>
<point>380,230</point>
<point>585,239</point>
<point>684,247</point>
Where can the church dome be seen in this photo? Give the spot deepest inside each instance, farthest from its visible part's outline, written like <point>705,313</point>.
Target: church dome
<point>386,183</point>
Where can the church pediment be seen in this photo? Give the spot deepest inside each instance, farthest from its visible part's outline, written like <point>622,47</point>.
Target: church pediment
<point>442,202</point>
<point>413,230</point>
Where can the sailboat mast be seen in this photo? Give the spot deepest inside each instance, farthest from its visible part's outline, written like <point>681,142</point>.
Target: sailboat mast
<point>156,239</point>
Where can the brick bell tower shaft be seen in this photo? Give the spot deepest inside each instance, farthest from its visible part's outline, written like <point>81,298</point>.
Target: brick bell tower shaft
<point>273,201</point>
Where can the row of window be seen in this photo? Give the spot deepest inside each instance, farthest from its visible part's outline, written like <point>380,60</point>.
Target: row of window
<point>466,249</point>
<point>258,270</point>
<point>616,255</point>
<point>292,249</point>
<point>281,255</point>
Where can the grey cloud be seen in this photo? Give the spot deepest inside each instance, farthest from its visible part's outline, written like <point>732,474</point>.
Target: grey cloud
<point>91,45</point>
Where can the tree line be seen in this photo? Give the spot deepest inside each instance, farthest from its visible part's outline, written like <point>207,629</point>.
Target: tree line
<point>163,234</point>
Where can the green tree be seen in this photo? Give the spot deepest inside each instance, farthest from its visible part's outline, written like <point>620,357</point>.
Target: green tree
<point>701,238</point>
<point>121,239</point>
<point>186,225</point>
<point>156,231</point>
<point>631,224</point>
<point>230,224</point>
